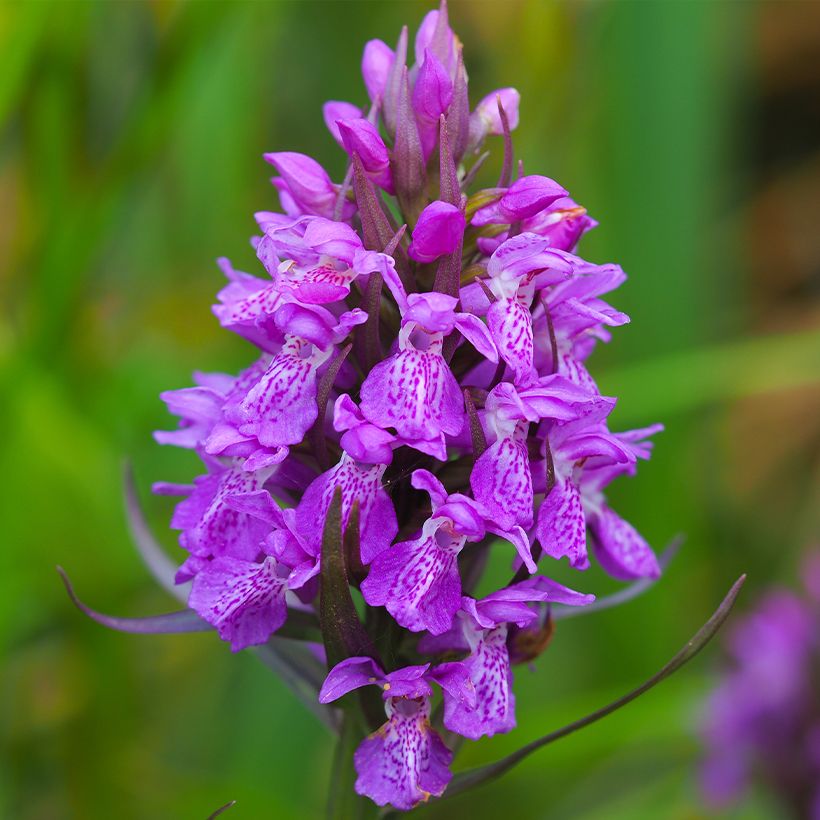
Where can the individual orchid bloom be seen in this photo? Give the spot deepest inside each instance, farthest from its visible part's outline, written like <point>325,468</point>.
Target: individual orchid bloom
<point>585,458</point>
<point>209,526</point>
<point>361,137</point>
<point>485,120</point>
<point>281,407</point>
<point>377,60</point>
<point>359,475</point>
<point>244,600</point>
<point>438,231</point>
<point>246,307</point>
<point>518,268</point>
<point>501,478</point>
<point>563,222</point>
<point>405,761</point>
<point>335,110</point>
<point>573,318</point>
<point>418,580</point>
<point>414,390</point>
<point>316,260</point>
<point>481,629</point>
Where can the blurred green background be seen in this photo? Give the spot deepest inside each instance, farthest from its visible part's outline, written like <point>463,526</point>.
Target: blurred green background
<point>131,136</point>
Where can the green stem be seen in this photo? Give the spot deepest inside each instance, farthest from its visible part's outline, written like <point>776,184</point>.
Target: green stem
<point>342,801</point>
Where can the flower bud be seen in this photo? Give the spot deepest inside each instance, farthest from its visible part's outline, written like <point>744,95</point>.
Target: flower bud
<point>437,231</point>
<point>432,95</point>
<point>529,195</point>
<point>361,137</point>
<point>486,121</point>
<point>377,60</point>
<point>307,182</point>
<point>335,110</point>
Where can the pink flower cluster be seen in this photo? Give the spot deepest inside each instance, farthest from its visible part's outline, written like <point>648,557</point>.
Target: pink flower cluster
<point>420,351</point>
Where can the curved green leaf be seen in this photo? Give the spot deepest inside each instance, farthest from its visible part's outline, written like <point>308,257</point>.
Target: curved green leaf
<point>483,774</point>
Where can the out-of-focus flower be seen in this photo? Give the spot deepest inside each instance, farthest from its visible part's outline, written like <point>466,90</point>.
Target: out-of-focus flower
<point>763,720</point>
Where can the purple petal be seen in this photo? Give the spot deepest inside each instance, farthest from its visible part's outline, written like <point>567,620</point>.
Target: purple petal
<point>489,668</point>
<point>245,601</point>
<point>361,137</point>
<point>414,392</point>
<point>405,761</point>
<point>486,121</point>
<point>377,60</point>
<point>210,525</point>
<point>350,674</point>
<point>529,195</point>
<point>432,95</point>
<point>502,482</point>
<point>281,407</point>
<point>360,483</point>
<point>417,581</point>
<point>335,110</point>
<point>561,526</point>
<point>510,324</point>
<point>437,232</point>
<point>620,549</point>
<point>477,334</point>
<point>307,182</point>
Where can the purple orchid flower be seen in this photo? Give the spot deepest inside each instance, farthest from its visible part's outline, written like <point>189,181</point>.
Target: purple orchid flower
<point>481,629</point>
<point>414,391</point>
<point>410,337</point>
<point>501,478</point>
<point>761,722</point>
<point>405,761</point>
<point>585,458</point>
<point>418,580</point>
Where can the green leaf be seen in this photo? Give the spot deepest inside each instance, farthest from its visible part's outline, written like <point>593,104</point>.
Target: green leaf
<point>483,774</point>
<point>161,567</point>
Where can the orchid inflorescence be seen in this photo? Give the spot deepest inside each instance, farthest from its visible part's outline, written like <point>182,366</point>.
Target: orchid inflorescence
<point>419,396</point>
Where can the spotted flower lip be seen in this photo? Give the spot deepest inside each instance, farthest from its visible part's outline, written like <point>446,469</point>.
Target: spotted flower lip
<point>416,399</point>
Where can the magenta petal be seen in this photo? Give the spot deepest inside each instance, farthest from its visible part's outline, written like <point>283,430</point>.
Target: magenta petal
<point>307,182</point>
<point>245,601</point>
<point>377,61</point>
<point>335,110</point>
<point>359,482</point>
<point>210,525</point>
<point>405,761</point>
<point>502,482</point>
<point>529,195</point>
<point>438,231</point>
<point>417,581</point>
<point>510,324</point>
<point>486,120</point>
<point>561,526</point>
<point>361,137</point>
<point>620,548</point>
<point>488,665</point>
<point>281,407</point>
<point>414,392</point>
<point>348,675</point>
